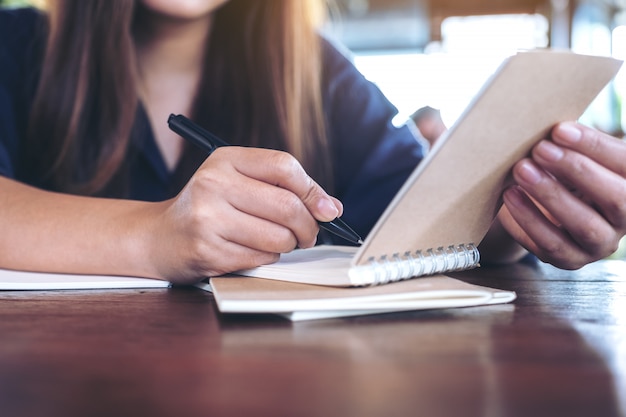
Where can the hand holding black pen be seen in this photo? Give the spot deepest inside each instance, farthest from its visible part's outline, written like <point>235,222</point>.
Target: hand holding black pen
<point>209,142</point>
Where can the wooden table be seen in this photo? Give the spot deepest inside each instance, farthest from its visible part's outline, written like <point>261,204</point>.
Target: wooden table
<point>559,350</point>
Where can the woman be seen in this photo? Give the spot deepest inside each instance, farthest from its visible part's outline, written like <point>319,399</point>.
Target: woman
<point>124,195</point>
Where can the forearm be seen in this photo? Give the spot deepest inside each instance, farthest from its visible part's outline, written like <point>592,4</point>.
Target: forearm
<point>52,232</point>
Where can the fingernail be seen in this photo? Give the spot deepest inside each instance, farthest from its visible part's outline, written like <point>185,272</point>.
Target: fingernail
<point>529,173</point>
<point>327,209</point>
<point>568,133</point>
<point>549,151</point>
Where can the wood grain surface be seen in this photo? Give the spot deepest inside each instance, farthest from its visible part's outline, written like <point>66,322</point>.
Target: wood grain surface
<point>558,350</point>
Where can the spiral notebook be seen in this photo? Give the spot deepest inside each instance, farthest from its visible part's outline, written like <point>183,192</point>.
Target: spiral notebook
<point>444,209</point>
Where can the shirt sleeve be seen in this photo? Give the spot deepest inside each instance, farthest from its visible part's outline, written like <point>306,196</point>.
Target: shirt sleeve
<point>373,158</point>
<point>17,50</point>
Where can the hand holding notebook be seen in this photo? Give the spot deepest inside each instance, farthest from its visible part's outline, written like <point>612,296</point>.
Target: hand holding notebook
<point>447,205</point>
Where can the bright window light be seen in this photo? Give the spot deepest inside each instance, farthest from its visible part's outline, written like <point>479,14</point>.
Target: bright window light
<point>450,73</point>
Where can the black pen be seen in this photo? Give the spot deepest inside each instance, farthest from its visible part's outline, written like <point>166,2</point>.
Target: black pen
<point>209,142</point>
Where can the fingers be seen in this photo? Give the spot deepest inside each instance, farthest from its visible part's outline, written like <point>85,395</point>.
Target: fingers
<point>271,203</point>
<point>570,206</point>
<point>283,170</point>
<point>273,186</point>
<point>533,229</point>
<point>606,150</point>
<point>276,214</point>
<point>583,223</point>
<point>604,189</point>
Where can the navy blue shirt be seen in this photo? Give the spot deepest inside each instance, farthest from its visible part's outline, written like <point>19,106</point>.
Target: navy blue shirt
<point>372,157</point>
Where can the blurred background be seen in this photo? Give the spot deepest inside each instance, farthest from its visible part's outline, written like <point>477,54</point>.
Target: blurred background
<point>439,52</point>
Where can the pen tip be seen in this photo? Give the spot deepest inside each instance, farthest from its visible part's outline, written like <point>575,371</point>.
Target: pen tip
<point>360,242</point>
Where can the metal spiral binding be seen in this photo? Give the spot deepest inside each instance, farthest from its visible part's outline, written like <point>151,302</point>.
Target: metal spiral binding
<point>418,263</point>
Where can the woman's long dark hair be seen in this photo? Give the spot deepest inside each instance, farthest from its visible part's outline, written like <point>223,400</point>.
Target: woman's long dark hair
<point>261,86</point>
